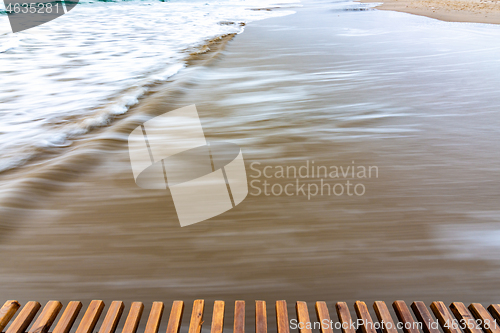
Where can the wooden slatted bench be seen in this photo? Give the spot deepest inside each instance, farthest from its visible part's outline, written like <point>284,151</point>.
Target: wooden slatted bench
<point>472,319</point>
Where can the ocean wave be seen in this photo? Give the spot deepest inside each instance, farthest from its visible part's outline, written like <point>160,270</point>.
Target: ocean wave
<point>76,73</point>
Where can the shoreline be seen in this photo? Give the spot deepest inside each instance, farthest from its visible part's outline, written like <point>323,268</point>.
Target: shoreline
<point>287,91</point>
<point>470,11</point>
<point>47,173</point>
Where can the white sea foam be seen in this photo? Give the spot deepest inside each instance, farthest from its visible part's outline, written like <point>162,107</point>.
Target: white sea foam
<point>75,73</point>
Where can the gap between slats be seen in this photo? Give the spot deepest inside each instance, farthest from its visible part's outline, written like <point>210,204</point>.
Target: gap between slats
<point>474,317</point>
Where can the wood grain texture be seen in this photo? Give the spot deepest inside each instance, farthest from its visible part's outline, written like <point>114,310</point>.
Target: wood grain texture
<point>444,317</point>
<point>174,321</point>
<point>472,319</point>
<point>364,315</point>
<point>304,322</point>
<point>8,311</point>
<point>90,317</point>
<point>384,317</point>
<point>46,318</point>
<point>282,317</point>
<point>465,318</point>
<point>154,319</point>
<point>495,311</point>
<point>345,317</point>
<point>260,317</point>
<point>112,317</point>
<point>404,315</point>
<point>323,317</point>
<point>239,317</point>
<point>133,317</point>
<point>68,317</point>
<point>424,316</point>
<point>218,317</point>
<point>197,316</point>
<point>487,322</point>
<point>24,318</point>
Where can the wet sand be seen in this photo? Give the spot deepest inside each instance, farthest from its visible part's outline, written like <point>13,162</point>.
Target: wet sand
<point>475,11</point>
<point>323,85</point>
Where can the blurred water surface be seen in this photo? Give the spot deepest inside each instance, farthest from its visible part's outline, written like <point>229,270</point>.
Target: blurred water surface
<point>71,75</point>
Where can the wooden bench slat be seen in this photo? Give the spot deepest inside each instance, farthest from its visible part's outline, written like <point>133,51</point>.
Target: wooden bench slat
<point>239,317</point>
<point>303,317</point>
<point>24,318</point>
<point>404,315</point>
<point>282,317</point>
<point>323,315</point>
<point>133,318</point>
<point>218,317</point>
<point>112,317</point>
<point>260,317</point>
<point>154,319</point>
<point>465,318</point>
<point>345,318</point>
<point>384,317</point>
<point>174,321</point>
<point>364,315</point>
<point>46,318</point>
<point>488,324</point>
<point>444,317</point>
<point>8,311</point>
<point>495,311</point>
<point>472,319</point>
<point>197,316</point>
<point>91,316</point>
<point>68,317</point>
<point>424,316</point>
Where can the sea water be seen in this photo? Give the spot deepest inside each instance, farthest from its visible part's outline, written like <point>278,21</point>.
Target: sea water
<point>77,72</point>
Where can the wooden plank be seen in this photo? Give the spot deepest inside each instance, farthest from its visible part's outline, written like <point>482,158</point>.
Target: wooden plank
<point>447,322</point>
<point>465,318</point>
<point>154,319</point>
<point>112,317</point>
<point>218,317</point>
<point>304,322</point>
<point>68,317</point>
<point>46,318</point>
<point>8,311</point>
<point>424,316</point>
<point>90,317</point>
<point>404,315</point>
<point>260,317</point>
<point>345,318</point>
<point>495,311</point>
<point>133,318</point>
<point>197,316</point>
<point>24,318</point>
<point>384,317</point>
<point>282,317</point>
<point>487,322</point>
<point>364,315</point>
<point>239,317</point>
<point>174,322</point>
<point>323,316</point>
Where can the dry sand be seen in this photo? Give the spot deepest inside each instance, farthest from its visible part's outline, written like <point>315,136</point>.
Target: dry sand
<point>479,11</point>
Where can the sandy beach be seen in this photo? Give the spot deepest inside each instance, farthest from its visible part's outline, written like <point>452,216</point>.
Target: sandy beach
<point>475,11</point>
<point>332,85</point>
